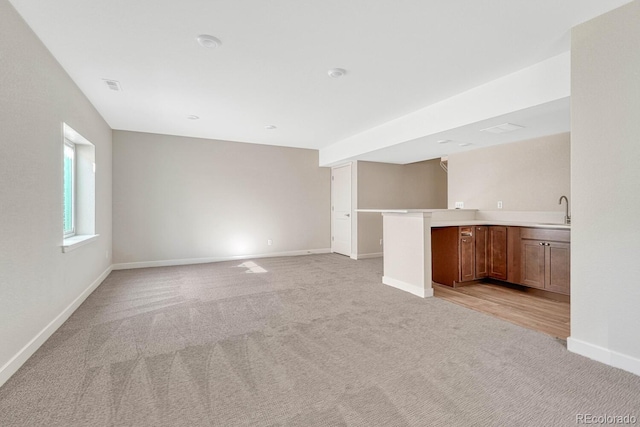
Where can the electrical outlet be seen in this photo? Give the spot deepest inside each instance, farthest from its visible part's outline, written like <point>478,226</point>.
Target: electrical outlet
<point>269,242</point>
<point>380,242</point>
<point>459,205</point>
<point>499,204</point>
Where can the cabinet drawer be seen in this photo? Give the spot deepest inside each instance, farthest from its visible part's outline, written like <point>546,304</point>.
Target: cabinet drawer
<point>545,234</point>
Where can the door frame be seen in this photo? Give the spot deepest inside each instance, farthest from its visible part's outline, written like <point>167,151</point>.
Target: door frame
<point>351,210</point>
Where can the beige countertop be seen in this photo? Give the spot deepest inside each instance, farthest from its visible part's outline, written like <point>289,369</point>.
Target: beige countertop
<point>462,217</point>
<point>413,210</point>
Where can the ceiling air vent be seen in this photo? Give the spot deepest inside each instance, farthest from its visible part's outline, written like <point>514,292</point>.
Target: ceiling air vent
<point>113,85</point>
<point>503,128</point>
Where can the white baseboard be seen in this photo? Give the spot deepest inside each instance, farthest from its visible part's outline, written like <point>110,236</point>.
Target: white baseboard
<point>187,261</point>
<point>604,355</point>
<point>367,256</point>
<point>12,366</point>
<point>408,287</point>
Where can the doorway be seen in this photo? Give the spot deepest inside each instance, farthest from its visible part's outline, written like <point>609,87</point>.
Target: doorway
<point>341,210</point>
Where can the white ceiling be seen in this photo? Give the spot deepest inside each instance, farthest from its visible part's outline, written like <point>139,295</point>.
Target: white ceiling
<point>271,68</point>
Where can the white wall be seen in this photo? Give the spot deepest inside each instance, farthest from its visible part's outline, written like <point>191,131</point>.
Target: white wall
<point>178,198</point>
<point>605,174</point>
<point>421,185</point>
<point>37,281</point>
<point>526,176</point>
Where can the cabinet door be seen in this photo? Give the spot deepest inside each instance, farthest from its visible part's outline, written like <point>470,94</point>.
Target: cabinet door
<point>532,253</point>
<point>514,263</point>
<point>558,266</point>
<point>498,252</point>
<point>467,259</point>
<point>482,252</point>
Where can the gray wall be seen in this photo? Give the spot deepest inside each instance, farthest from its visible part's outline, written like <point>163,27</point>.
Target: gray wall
<point>526,176</point>
<point>421,185</point>
<point>605,173</point>
<point>178,198</point>
<point>38,281</point>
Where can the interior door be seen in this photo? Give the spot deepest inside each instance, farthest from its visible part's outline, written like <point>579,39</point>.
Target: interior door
<point>341,210</point>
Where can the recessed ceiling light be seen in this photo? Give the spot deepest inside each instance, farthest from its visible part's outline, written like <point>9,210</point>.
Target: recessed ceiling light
<point>443,141</point>
<point>270,127</point>
<point>192,117</point>
<point>113,84</point>
<point>337,72</point>
<point>464,144</point>
<point>205,40</point>
<point>503,128</point>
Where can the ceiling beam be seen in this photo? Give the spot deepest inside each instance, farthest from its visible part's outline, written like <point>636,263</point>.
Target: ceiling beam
<point>538,84</point>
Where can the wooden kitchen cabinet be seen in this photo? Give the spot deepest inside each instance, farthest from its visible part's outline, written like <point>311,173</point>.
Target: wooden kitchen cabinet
<point>498,252</point>
<point>532,253</point>
<point>444,255</point>
<point>491,252</point>
<point>534,257</point>
<point>513,255</point>
<point>453,255</point>
<point>558,262</point>
<point>482,251</point>
<point>467,254</point>
<point>545,259</point>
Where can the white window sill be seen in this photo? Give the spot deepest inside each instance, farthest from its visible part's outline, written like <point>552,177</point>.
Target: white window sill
<point>72,243</point>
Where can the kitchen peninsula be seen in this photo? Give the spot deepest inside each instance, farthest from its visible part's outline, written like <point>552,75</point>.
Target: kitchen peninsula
<point>407,249</point>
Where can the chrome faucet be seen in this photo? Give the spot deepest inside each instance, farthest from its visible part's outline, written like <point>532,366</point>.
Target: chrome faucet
<point>567,217</point>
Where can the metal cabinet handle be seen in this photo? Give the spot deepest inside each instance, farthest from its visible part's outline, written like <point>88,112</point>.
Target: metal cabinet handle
<point>541,243</point>
<point>347,214</point>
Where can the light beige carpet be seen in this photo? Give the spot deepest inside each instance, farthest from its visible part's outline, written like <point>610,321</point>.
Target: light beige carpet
<point>311,341</point>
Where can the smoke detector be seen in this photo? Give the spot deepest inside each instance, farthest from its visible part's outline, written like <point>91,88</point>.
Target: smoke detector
<point>210,42</point>
<point>113,84</point>
<point>270,127</point>
<point>336,73</point>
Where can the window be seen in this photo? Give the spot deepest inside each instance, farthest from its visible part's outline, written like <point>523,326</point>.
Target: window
<point>78,190</point>
<point>69,193</point>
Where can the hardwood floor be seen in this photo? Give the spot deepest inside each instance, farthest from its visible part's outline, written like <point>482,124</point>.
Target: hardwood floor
<point>513,305</point>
